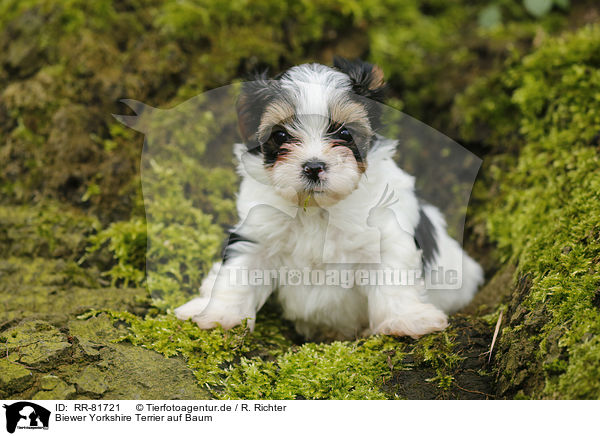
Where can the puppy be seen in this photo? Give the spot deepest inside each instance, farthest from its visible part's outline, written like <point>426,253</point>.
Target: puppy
<point>327,219</point>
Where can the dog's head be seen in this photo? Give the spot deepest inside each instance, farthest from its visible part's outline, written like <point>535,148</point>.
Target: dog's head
<point>313,126</point>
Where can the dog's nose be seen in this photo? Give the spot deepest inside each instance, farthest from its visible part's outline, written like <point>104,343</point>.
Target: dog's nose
<point>312,169</point>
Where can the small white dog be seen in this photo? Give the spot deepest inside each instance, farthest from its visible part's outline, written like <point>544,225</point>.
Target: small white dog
<point>327,219</point>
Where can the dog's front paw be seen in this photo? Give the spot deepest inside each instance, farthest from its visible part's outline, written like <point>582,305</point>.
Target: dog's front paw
<point>425,319</point>
<point>208,314</point>
<point>210,319</point>
<point>192,308</point>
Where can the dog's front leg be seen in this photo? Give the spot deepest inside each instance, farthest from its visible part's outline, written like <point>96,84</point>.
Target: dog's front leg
<point>233,291</point>
<point>400,308</point>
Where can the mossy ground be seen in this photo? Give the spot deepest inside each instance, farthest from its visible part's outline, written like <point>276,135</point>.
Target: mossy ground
<point>70,333</point>
<point>544,218</point>
<point>82,318</point>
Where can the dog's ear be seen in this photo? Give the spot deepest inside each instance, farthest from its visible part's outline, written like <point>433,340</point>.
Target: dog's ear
<point>254,97</point>
<point>367,79</point>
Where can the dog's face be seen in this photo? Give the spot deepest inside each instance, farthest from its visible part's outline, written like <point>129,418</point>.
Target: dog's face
<point>313,127</point>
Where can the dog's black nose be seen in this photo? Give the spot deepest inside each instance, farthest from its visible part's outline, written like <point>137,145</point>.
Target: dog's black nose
<point>312,169</point>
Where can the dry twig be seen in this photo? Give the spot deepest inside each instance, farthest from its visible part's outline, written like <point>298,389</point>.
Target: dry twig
<point>495,336</point>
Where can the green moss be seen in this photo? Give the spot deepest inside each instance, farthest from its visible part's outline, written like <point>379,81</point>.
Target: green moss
<point>437,351</point>
<point>226,362</point>
<point>34,344</point>
<point>106,369</point>
<point>56,290</point>
<point>14,377</point>
<point>175,246</point>
<point>341,370</point>
<point>208,352</point>
<point>267,364</point>
<point>84,362</point>
<point>91,381</point>
<point>545,218</point>
<point>53,387</point>
<point>45,231</point>
<point>434,50</point>
<point>126,241</point>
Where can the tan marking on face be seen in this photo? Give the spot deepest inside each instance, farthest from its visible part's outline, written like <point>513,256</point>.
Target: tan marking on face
<point>348,111</point>
<point>277,112</point>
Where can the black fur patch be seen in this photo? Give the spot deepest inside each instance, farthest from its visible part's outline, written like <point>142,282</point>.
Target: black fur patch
<point>251,104</point>
<point>425,238</point>
<point>233,239</point>
<point>366,78</point>
<point>367,81</point>
<point>272,151</point>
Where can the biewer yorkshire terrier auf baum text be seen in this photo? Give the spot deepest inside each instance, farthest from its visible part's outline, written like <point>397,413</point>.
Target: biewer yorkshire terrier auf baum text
<point>321,195</point>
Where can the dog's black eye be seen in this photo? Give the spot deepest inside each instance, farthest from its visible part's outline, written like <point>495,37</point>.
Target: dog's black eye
<point>344,135</point>
<point>280,137</point>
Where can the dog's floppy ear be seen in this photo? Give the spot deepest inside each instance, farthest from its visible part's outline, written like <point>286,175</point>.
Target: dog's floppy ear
<point>367,79</point>
<point>254,97</point>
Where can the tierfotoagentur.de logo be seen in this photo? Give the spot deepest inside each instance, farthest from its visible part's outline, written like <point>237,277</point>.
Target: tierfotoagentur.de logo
<point>25,415</point>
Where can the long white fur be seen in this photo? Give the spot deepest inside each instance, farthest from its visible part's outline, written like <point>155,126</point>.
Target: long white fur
<point>348,227</point>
